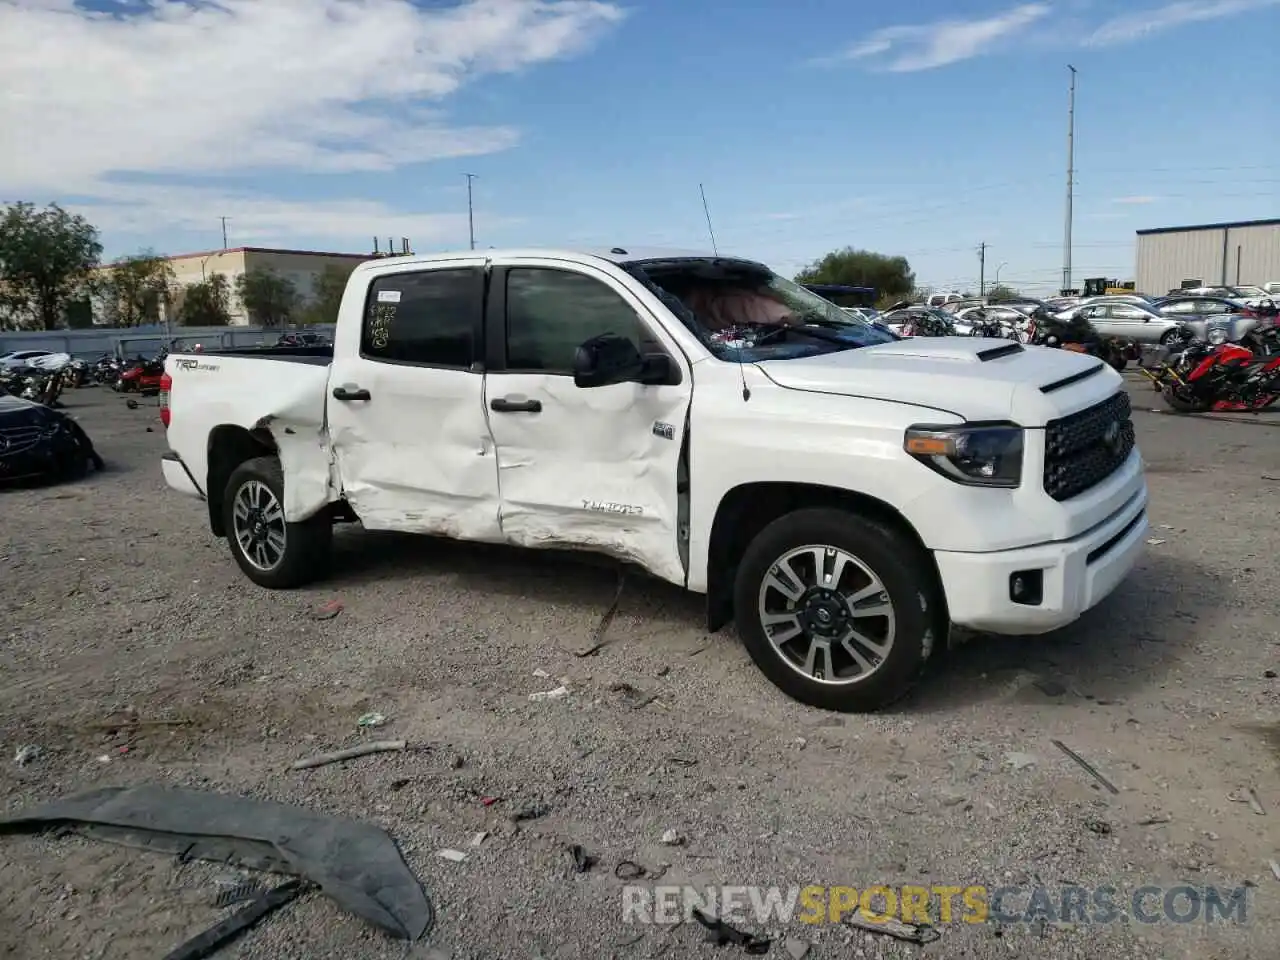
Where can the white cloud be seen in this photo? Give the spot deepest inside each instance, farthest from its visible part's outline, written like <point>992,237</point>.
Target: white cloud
<point>1136,26</point>
<point>246,86</point>
<point>1135,201</point>
<point>132,210</point>
<point>926,46</point>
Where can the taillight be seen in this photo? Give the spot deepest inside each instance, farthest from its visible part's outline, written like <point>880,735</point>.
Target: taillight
<point>166,384</point>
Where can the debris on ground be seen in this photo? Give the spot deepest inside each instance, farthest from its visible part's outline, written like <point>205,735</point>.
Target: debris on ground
<point>1086,766</point>
<point>1154,820</point>
<point>889,927</point>
<point>1155,541</point>
<point>489,801</point>
<point>796,949</point>
<point>558,693</point>
<point>453,856</point>
<point>338,756</point>
<point>629,870</point>
<point>541,674</point>
<point>672,838</point>
<point>597,641</point>
<point>1250,796</point>
<point>1275,868</point>
<point>1050,688</point>
<point>26,754</point>
<point>355,863</point>
<point>720,933</point>
<point>479,838</point>
<point>1020,761</point>
<point>456,762</point>
<point>371,720</point>
<point>239,893</point>
<point>582,861</point>
<point>131,404</point>
<point>531,812</point>
<point>327,611</point>
<point>222,933</point>
<point>1100,827</point>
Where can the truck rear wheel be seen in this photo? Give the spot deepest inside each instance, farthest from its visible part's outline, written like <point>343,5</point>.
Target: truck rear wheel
<point>271,552</point>
<point>836,610</point>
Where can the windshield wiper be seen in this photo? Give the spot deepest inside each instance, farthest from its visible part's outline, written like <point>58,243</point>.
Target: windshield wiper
<point>810,328</point>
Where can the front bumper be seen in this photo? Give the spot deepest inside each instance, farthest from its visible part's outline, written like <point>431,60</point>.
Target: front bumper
<point>178,477</point>
<point>1077,575</point>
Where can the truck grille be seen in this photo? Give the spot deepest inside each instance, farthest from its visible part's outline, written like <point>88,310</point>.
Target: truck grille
<point>1085,448</point>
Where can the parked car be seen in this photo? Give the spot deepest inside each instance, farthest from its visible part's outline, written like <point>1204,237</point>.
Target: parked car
<point>23,358</point>
<point>38,442</point>
<point>843,496</point>
<point>1248,294</point>
<point>1118,318</point>
<point>1215,319</point>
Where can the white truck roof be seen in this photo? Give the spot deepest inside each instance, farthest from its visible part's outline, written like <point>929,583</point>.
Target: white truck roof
<point>612,254</point>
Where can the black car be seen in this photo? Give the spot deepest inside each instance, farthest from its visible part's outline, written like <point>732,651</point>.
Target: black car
<point>37,442</point>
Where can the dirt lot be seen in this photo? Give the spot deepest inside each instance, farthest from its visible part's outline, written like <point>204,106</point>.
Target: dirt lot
<point>113,594</point>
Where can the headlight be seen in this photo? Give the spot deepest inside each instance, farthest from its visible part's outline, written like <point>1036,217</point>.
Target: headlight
<point>983,455</point>
<point>1217,335</point>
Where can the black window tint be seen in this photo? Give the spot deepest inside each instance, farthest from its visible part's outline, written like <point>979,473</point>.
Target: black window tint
<point>551,312</point>
<point>427,317</point>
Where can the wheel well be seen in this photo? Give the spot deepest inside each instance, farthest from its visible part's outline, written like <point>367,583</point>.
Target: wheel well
<point>229,447</point>
<point>748,509</point>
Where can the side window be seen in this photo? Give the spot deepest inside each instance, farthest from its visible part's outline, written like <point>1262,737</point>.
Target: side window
<point>1122,312</point>
<point>428,317</point>
<point>1177,307</point>
<point>551,312</point>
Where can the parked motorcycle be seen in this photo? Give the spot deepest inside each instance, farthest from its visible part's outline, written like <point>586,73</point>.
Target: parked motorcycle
<point>1079,335</point>
<point>140,376</point>
<point>1199,377</point>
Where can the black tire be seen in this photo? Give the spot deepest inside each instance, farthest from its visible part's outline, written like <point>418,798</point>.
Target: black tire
<point>307,544</point>
<point>1167,337</point>
<point>1182,405</point>
<point>903,569</point>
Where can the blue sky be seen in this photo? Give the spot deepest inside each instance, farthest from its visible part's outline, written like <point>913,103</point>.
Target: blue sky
<point>919,128</point>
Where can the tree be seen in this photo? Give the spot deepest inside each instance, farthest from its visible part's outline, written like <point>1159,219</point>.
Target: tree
<point>46,260</point>
<point>891,276</point>
<point>269,298</point>
<point>1001,292</point>
<point>326,295</point>
<point>207,304</point>
<point>136,288</point>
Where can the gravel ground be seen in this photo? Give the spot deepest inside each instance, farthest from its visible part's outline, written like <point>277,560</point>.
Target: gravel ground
<point>114,595</point>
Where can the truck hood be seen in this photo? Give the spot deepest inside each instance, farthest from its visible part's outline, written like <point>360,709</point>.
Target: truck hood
<point>974,378</point>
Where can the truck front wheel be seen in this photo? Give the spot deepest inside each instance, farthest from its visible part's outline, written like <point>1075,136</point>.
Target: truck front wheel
<point>836,609</point>
<point>271,552</point>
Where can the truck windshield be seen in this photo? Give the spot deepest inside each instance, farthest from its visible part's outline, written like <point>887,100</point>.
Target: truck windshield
<point>743,311</point>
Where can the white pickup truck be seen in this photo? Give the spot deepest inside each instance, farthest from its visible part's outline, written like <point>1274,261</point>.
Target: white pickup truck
<point>842,495</point>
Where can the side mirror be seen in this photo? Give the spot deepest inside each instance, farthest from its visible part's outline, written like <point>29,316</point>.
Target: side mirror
<point>609,359</point>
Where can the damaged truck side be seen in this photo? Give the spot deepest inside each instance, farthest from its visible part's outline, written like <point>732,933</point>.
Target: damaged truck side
<point>843,496</point>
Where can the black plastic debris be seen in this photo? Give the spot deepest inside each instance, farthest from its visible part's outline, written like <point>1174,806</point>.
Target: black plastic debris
<point>220,934</point>
<point>357,864</point>
<point>582,861</point>
<point>720,933</point>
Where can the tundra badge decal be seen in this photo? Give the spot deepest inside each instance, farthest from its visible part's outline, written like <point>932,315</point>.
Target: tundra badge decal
<point>664,430</point>
<point>623,509</point>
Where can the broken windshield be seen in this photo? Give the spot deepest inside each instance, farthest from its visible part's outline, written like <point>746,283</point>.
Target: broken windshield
<point>743,311</point>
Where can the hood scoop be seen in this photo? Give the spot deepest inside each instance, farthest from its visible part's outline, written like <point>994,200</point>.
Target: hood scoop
<point>957,349</point>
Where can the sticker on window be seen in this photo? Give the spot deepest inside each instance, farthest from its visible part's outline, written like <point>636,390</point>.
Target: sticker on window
<point>388,296</point>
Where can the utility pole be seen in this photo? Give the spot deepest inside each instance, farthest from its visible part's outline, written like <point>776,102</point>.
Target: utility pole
<point>1071,179</point>
<point>224,232</point>
<point>471,219</point>
<point>982,269</point>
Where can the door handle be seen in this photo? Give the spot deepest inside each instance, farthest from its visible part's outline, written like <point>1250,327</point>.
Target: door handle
<point>503,405</point>
<point>346,396</point>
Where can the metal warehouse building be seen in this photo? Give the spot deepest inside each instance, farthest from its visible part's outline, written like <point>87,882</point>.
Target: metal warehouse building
<point>1214,254</point>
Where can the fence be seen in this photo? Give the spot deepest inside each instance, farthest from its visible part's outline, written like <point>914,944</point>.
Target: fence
<point>131,341</point>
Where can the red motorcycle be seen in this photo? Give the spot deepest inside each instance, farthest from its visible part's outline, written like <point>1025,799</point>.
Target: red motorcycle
<point>141,376</point>
<point>1228,377</point>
